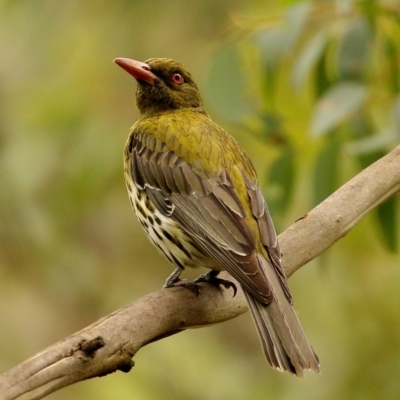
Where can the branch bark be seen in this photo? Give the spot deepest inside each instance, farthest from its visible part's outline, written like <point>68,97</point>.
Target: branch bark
<point>110,343</point>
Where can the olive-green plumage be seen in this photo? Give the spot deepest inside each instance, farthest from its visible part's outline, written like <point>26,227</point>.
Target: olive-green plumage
<point>196,194</point>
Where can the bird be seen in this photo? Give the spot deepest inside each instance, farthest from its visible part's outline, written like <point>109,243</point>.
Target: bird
<point>196,194</point>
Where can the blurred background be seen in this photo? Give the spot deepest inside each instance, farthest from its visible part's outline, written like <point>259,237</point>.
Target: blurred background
<point>310,90</point>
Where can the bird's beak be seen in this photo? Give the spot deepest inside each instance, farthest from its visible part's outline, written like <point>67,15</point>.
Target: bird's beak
<point>139,70</point>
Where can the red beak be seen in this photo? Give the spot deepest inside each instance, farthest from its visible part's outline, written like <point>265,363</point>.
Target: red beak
<point>139,70</point>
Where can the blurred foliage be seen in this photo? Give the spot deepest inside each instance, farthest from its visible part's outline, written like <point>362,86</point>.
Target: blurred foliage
<point>342,61</point>
<point>310,89</point>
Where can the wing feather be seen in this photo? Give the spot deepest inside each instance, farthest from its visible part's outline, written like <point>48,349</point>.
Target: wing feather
<point>267,232</point>
<point>209,209</point>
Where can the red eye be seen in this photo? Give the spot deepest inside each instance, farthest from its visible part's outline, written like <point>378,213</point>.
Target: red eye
<point>177,78</point>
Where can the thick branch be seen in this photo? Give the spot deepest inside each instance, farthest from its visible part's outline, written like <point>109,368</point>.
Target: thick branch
<point>340,212</point>
<point>110,343</point>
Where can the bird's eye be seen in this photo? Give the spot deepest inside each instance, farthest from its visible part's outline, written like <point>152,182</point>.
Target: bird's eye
<point>177,78</point>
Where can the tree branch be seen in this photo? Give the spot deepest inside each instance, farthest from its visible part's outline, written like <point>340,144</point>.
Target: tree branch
<point>110,343</point>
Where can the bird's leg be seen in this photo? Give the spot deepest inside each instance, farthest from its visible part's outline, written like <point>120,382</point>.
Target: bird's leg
<point>212,277</point>
<point>173,278</point>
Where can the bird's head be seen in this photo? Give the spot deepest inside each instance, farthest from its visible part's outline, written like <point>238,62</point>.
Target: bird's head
<point>163,85</point>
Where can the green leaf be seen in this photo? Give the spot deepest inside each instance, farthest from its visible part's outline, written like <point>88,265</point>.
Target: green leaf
<point>272,128</point>
<point>308,58</point>
<point>372,144</point>
<point>396,116</point>
<point>272,44</point>
<point>360,126</point>
<point>354,51</point>
<point>321,80</point>
<point>275,42</point>
<point>296,20</point>
<point>269,84</point>
<point>338,103</point>
<point>368,145</point>
<point>227,85</point>
<point>370,8</point>
<point>326,170</point>
<point>388,221</point>
<point>367,158</point>
<point>280,181</point>
<point>390,58</point>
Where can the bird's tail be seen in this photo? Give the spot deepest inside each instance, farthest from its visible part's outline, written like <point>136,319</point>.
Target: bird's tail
<point>284,342</point>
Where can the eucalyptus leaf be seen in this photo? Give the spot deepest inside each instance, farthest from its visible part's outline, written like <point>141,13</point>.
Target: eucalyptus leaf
<point>368,158</point>
<point>275,42</point>
<point>326,170</point>
<point>339,102</point>
<point>354,51</point>
<point>396,116</point>
<point>227,85</point>
<point>280,181</point>
<point>308,58</point>
<point>272,43</point>
<point>296,19</point>
<point>387,215</point>
<point>360,125</point>
<point>269,83</point>
<point>322,82</point>
<point>370,144</point>
<point>390,56</point>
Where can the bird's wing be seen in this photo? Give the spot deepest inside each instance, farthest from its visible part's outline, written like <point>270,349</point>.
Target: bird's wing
<point>266,227</point>
<point>209,210</point>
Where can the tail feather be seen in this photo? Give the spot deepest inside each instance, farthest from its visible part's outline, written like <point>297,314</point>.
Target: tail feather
<point>284,342</point>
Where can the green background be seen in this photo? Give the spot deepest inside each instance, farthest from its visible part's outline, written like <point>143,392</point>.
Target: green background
<point>71,249</point>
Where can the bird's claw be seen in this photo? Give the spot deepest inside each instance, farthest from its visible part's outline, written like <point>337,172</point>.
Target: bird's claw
<point>193,285</point>
<point>211,277</point>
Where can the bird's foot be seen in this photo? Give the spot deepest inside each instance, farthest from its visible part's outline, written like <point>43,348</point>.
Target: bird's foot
<point>212,277</point>
<point>174,281</point>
